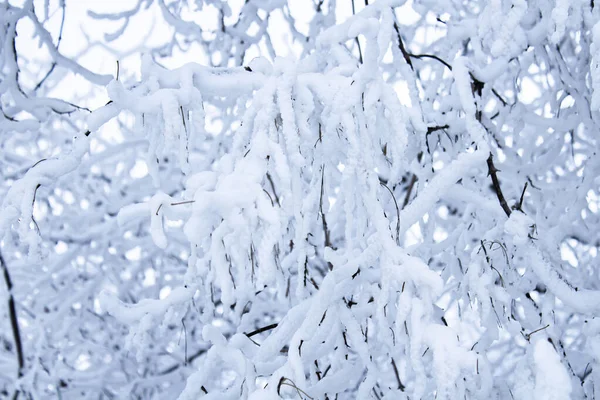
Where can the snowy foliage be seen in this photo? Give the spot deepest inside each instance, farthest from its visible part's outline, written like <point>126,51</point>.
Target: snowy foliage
<point>395,200</point>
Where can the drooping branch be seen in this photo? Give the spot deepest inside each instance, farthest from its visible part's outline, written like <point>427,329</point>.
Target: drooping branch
<point>405,54</point>
<point>434,57</point>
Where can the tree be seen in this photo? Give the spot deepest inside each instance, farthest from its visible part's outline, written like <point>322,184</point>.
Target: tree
<point>404,206</point>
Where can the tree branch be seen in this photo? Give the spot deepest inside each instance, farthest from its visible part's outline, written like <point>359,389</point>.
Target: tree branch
<point>492,171</point>
<point>413,180</point>
<point>261,330</point>
<point>400,385</point>
<point>360,56</point>
<point>419,56</point>
<point>14,323</point>
<point>405,54</point>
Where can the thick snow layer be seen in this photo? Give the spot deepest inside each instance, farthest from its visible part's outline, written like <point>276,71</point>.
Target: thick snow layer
<point>552,381</point>
<point>595,67</point>
<point>519,226</point>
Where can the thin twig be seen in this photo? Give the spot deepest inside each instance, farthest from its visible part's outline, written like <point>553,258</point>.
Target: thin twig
<point>413,180</point>
<point>520,206</point>
<point>54,64</point>
<point>360,57</point>
<point>182,117</point>
<point>273,188</point>
<point>185,355</point>
<point>431,129</point>
<point>323,218</point>
<point>405,54</point>
<point>397,212</point>
<point>400,385</point>
<point>175,367</point>
<point>492,171</point>
<point>528,335</point>
<point>261,330</point>
<point>183,202</point>
<point>179,203</point>
<point>419,56</point>
<point>14,322</point>
<point>504,102</point>
<point>289,382</point>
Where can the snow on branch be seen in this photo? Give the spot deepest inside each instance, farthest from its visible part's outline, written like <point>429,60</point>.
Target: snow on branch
<point>405,206</point>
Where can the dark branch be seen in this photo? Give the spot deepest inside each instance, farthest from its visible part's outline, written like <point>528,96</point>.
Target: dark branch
<point>405,54</point>
<point>360,57</point>
<point>261,330</point>
<point>400,385</point>
<point>397,212</point>
<point>419,56</point>
<point>326,232</point>
<point>492,171</point>
<point>189,360</point>
<point>60,34</point>
<point>520,206</point>
<point>413,180</point>
<point>14,322</point>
